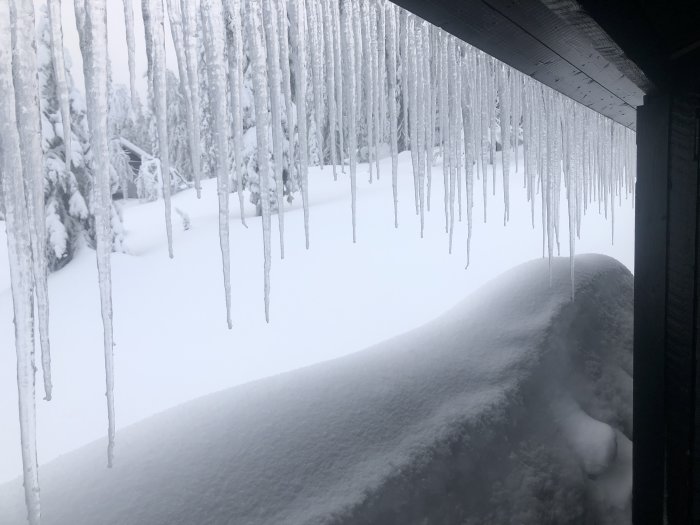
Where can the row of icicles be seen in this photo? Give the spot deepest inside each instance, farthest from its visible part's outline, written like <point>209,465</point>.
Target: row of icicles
<point>367,66</point>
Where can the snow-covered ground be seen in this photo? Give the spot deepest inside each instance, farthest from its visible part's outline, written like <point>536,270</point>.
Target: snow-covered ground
<point>514,407</point>
<point>172,344</point>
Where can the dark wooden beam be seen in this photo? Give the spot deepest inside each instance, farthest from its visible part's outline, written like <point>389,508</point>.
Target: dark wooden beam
<point>650,270</point>
<point>667,311</point>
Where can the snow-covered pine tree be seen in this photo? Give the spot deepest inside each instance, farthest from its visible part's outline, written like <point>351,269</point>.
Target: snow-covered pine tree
<point>66,191</point>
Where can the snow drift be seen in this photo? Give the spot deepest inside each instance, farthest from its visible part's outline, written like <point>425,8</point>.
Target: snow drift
<point>513,407</point>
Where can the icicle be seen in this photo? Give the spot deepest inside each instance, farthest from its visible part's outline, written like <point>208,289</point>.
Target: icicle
<point>413,108</point>
<point>504,99</point>
<point>316,48</point>
<point>439,91</point>
<point>286,79</point>
<point>444,130</point>
<point>148,33</point>
<point>393,117</point>
<point>570,116</point>
<point>360,47</point>
<point>491,99</point>
<point>474,109</point>
<point>299,47</point>
<point>28,121</point>
<point>516,86</point>
<point>451,131</point>
<point>419,118</point>
<point>403,41</point>
<point>428,104</point>
<point>381,66</point>
<point>579,159</point>
<point>176,31</point>
<point>191,43</point>
<point>485,145</point>
<point>612,184</point>
<point>338,73</point>
<point>367,77</point>
<point>376,92</point>
<point>95,69</point>
<point>552,169</point>
<point>161,107</point>
<point>458,128</point>
<point>212,20</point>
<point>59,68</point>
<point>556,170</point>
<point>330,83</point>
<point>19,252</point>
<point>235,80</point>
<point>257,59</point>
<point>467,115</point>
<point>348,34</point>
<point>130,47</point>
<point>274,84</point>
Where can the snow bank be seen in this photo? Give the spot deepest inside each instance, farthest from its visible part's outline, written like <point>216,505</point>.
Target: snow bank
<point>513,407</point>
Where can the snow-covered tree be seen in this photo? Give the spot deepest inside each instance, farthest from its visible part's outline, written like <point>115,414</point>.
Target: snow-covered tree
<point>67,188</point>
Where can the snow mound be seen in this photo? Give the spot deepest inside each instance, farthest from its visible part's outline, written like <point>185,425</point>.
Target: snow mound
<point>513,407</point>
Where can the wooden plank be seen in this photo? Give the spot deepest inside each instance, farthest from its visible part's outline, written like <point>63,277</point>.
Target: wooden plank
<point>497,28</point>
<point>566,29</point>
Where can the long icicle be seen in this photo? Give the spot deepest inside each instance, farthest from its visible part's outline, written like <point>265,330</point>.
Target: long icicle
<point>349,83</point>
<point>299,47</point>
<point>452,138</point>
<point>212,20</point>
<point>374,67</point>
<point>420,119</point>
<point>316,49</point>
<point>367,76</point>
<point>28,120</point>
<point>457,144</point>
<point>393,117</point>
<point>95,68</point>
<point>177,33</point>
<point>235,79</point>
<point>130,49</point>
<point>258,64</point>
<point>413,108</point>
<point>381,66</point>
<point>504,100</point>
<point>160,105</point>
<point>59,68</point>
<point>428,108</point>
<point>330,84</point>
<point>444,126</point>
<point>191,41</point>
<point>274,84</point>
<point>19,253</point>
<point>283,31</point>
<point>467,116</point>
<point>338,72</point>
